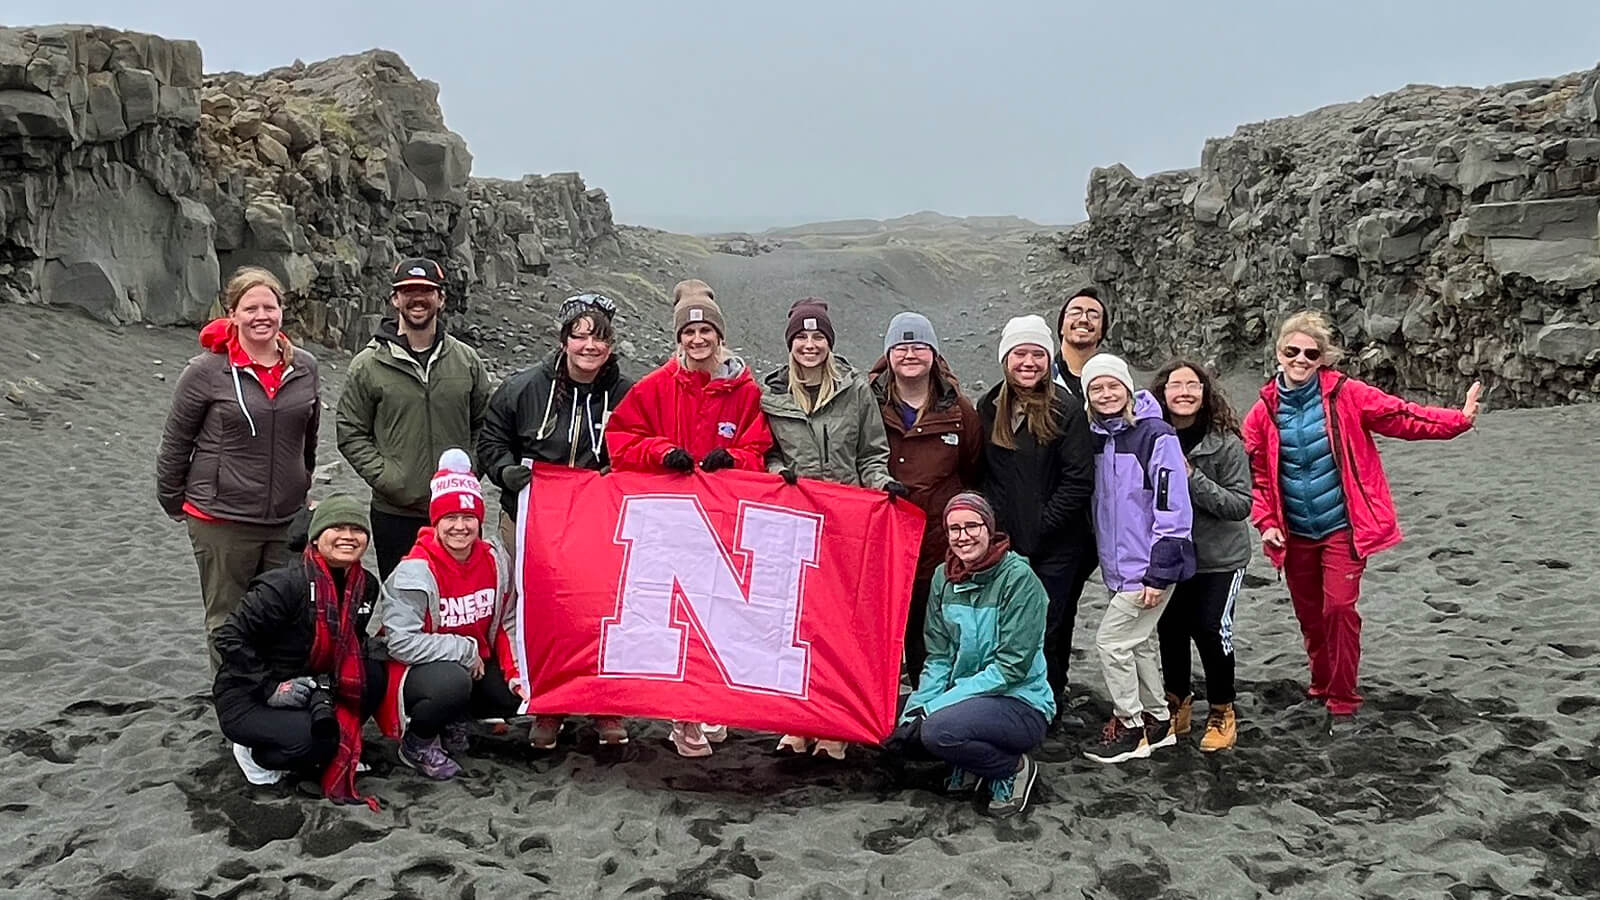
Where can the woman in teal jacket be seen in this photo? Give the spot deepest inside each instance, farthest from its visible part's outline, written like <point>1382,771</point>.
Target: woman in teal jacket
<point>984,700</point>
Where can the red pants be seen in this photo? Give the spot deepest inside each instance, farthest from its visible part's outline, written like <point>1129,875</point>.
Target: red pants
<point>1324,579</point>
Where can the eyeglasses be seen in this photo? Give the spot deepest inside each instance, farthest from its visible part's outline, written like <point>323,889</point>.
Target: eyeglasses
<point>1184,386</point>
<point>1290,351</point>
<point>909,349</point>
<point>1078,312</point>
<point>970,529</point>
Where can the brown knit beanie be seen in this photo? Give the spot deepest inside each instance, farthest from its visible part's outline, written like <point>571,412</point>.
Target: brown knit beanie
<point>810,314</point>
<point>692,301</point>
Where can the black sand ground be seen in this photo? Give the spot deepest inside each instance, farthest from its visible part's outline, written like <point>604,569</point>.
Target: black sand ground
<point>1475,776</point>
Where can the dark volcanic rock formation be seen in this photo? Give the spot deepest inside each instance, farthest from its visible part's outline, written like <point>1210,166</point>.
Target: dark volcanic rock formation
<point>134,184</point>
<point>1451,232</point>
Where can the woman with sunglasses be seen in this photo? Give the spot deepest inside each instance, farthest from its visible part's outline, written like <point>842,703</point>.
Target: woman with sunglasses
<point>556,412</point>
<point>1319,495</point>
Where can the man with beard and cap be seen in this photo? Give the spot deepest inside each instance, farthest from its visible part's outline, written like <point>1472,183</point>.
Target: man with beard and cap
<point>1082,325</point>
<point>413,393</point>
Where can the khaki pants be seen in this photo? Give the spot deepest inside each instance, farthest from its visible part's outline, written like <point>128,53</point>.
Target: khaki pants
<point>1130,656</point>
<point>507,532</point>
<point>228,555</point>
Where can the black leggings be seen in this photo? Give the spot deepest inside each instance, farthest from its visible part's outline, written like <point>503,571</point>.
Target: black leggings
<point>393,537</point>
<point>916,623</point>
<point>1201,610</point>
<point>1064,587</point>
<point>439,693</point>
<point>287,739</point>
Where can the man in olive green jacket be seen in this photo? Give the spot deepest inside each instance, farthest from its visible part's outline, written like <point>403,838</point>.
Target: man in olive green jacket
<point>411,394</point>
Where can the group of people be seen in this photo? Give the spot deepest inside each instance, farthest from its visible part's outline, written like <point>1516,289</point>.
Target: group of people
<point>1065,466</point>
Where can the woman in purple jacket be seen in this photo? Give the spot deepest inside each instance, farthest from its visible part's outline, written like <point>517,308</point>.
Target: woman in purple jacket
<point>1142,522</point>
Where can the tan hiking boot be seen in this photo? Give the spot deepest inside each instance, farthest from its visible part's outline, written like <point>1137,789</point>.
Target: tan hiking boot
<point>1182,710</point>
<point>1221,728</point>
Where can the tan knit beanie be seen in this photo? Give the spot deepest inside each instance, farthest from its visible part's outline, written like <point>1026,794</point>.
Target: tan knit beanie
<point>692,301</point>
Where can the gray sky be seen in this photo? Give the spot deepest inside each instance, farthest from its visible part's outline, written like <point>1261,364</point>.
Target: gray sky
<point>722,115</point>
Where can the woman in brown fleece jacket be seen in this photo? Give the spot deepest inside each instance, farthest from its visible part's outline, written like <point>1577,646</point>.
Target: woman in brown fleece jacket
<point>240,443</point>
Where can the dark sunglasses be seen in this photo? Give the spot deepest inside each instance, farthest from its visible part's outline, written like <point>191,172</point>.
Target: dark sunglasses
<point>1291,351</point>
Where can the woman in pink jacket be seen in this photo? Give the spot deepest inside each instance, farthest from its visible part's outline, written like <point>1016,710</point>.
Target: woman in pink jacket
<point>1319,496</point>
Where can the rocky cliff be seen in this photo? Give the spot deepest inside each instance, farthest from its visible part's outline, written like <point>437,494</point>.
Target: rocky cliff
<point>1452,233</point>
<point>134,183</point>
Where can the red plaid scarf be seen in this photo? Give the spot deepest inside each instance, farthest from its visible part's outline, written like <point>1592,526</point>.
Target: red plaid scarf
<point>337,650</point>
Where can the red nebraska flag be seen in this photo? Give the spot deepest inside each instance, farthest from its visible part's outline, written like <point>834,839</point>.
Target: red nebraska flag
<point>730,598</point>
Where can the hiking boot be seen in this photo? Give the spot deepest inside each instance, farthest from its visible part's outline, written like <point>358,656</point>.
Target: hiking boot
<point>1158,733</point>
<point>254,772</point>
<point>545,731</point>
<point>1119,743</point>
<point>794,743</point>
<point>611,730</point>
<point>715,734</point>
<point>454,737</point>
<point>831,749</point>
<point>427,757</point>
<point>1010,796</point>
<point>960,782</point>
<point>1182,710</point>
<point>1340,725</point>
<point>690,739</point>
<point>1221,728</point>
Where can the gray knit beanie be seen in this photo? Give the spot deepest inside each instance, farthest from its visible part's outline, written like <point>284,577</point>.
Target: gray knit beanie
<point>910,328</point>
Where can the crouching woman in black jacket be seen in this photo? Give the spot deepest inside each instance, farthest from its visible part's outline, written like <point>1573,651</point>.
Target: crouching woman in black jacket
<point>295,682</point>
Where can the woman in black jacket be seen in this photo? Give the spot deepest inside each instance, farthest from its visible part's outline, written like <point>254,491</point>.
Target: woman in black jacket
<point>556,413</point>
<point>295,683</point>
<point>1038,472</point>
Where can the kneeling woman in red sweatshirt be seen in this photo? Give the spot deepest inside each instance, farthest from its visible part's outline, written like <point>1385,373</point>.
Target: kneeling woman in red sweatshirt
<point>448,629</point>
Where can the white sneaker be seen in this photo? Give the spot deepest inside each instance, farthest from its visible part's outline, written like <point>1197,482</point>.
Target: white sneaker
<point>794,743</point>
<point>253,771</point>
<point>831,749</point>
<point>716,734</point>
<point>689,739</point>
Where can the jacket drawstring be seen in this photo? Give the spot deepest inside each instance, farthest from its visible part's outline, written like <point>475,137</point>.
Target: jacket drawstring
<point>549,409</point>
<point>238,392</point>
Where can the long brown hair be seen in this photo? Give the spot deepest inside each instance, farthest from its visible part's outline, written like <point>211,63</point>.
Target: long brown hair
<point>1038,409</point>
<point>1215,413</point>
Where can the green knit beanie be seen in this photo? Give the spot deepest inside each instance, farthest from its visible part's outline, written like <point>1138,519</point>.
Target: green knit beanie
<point>340,509</point>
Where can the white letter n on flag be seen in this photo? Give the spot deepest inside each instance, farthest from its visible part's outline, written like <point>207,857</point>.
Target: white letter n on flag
<point>674,555</point>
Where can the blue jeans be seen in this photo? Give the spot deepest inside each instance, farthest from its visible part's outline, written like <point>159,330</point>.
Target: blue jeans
<point>984,735</point>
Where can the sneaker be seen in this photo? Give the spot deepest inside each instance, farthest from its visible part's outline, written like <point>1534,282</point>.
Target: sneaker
<point>794,743</point>
<point>1182,710</point>
<point>254,772</point>
<point>831,749</point>
<point>1010,796</point>
<point>690,739</point>
<point>1221,728</point>
<point>454,737</point>
<point>545,731</point>
<point>1119,743</point>
<point>1158,733</point>
<point>960,782</point>
<point>427,757</point>
<point>715,734</point>
<point>611,730</point>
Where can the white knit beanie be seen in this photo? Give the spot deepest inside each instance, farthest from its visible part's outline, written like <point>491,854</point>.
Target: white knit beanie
<point>1102,364</point>
<point>1026,330</point>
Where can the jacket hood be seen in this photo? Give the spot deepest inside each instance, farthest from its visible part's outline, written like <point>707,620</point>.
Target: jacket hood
<point>729,374</point>
<point>388,332</point>
<point>945,382</point>
<point>1144,407</point>
<point>778,379</point>
<point>221,336</point>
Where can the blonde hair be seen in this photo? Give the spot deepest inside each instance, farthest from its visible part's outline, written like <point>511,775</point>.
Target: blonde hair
<point>825,390</point>
<point>1313,325</point>
<point>246,278</point>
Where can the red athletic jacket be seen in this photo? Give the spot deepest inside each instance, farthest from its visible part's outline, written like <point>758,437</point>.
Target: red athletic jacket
<point>674,407</point>
<point>1354,411</point>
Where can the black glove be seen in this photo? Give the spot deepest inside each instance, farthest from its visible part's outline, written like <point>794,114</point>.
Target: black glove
<point>907,736</point>
<point>896,490</point>
<point>717,459</point>
<point>678,460</point>
<point>292,694</point>
<point>515,477</point>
